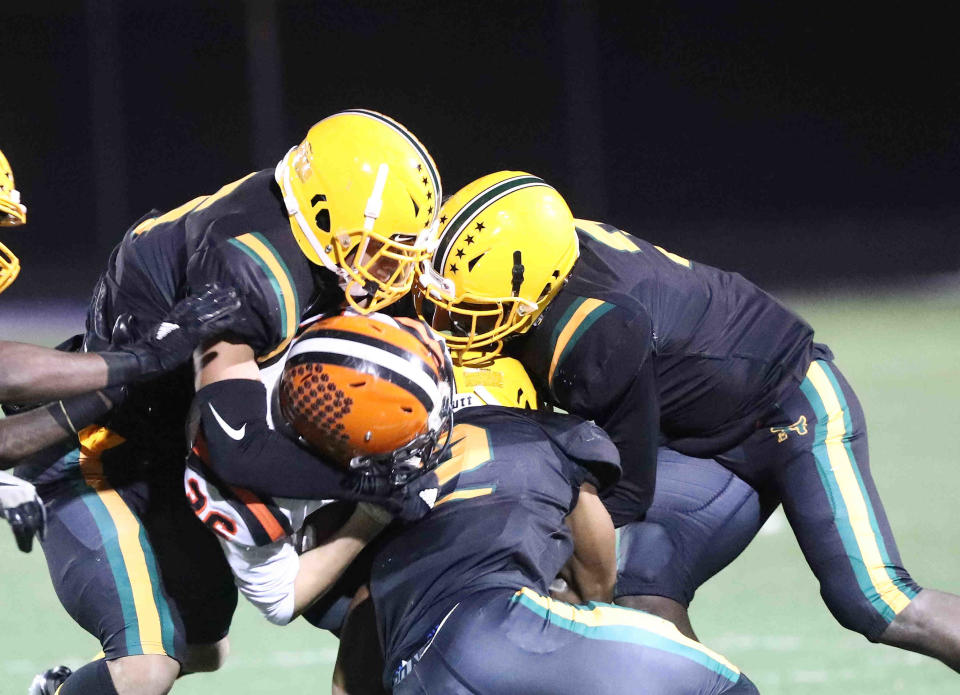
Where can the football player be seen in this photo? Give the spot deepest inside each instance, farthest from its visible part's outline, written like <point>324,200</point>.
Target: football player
<point>656,347</point>
<point>342,374</point>
<point>461,597</point>
<point>30,373</point>
<point>340,221</point>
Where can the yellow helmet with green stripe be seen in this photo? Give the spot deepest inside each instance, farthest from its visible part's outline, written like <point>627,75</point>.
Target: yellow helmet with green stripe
<point>505,246</point>
<point>363,196</point>
<point>495,381</point>
<point>12,213</point>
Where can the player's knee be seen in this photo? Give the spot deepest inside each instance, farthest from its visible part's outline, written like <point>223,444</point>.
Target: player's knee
<point>866,613</point>
<point>145,674</point>
<point>647,549</point>
<point>205,658</point>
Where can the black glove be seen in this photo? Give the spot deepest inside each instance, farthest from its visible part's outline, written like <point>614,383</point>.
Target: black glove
<point>23,508</point>
<point>408,502</point>
<point>171,342</point>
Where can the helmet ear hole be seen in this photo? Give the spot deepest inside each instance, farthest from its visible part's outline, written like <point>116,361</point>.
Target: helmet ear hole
<point>323,220</point>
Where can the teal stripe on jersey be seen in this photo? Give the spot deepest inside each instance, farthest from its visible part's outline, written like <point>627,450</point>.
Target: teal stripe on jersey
<point>286,270</point>
<point>630,634</point>
<point>111,547</point>
<point>564,320</point>
<point>591,318</point>
<point>284,319</point>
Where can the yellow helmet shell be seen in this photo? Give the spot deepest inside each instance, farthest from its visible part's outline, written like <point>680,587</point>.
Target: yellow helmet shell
<point>12,214</point>
<point>361,189</point>
<point>506,244</point>
<point>495,381</point>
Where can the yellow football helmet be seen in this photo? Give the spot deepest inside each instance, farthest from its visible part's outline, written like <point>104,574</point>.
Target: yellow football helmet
<point>12,213</point>
<point>505,246</point>
<point>363,196</point>
<point>496,381</point>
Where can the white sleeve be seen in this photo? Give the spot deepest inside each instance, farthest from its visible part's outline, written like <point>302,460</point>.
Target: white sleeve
<point>265,575</point>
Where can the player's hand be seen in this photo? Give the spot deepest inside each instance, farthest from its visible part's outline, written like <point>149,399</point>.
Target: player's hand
<point>23,508</point>
<point>408,502</point>
<point>171,342</point>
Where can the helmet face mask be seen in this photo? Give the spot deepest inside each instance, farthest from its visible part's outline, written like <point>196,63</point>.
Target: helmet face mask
<point>362,192</point>
<point>9,267</point>
<point>507,244</point>
<point>12,214</point>
<point>473,322</point>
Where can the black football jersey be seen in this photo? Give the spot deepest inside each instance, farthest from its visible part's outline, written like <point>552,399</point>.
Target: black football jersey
<point>658,349</point>
<point>511,478</point>
<point>240,237</point>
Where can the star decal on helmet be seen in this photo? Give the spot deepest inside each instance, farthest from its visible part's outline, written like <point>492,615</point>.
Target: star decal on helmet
<point>453,267</point>
<point>480,226</point>
<point>469,239</point>
<point>459,253</point>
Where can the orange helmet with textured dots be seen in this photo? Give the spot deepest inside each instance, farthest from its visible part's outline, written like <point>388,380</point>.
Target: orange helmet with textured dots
<point>368,391</point>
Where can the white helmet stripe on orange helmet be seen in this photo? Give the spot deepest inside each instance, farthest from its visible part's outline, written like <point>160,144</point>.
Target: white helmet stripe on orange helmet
<point>426,391</point>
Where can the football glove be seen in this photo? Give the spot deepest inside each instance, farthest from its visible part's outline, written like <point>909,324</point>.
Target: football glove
<point>23,508</point>
<point>170,343</point>
<point>409,502</point>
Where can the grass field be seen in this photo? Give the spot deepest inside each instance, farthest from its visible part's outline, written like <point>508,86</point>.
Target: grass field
<point>899,350</point>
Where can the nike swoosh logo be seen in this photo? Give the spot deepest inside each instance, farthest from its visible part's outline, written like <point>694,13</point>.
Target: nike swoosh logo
<point>233,433</point>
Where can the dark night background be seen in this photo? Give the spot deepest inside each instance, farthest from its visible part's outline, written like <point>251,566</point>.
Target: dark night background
<point>806,146</point>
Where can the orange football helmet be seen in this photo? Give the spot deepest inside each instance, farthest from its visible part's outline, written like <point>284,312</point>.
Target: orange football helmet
<point>369,392</point>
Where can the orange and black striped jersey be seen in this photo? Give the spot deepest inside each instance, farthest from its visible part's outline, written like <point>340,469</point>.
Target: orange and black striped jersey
<point>652,345</point>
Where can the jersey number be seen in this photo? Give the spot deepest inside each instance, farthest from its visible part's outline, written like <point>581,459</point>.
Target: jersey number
<point>213,519</point>
<point>470,450</point>
<point>621,241</point>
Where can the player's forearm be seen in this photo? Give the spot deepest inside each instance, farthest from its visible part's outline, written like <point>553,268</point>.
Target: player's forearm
<point>593,566</point>
<point>30,373</point>
<point>321,567</point>
<point>27,433</point>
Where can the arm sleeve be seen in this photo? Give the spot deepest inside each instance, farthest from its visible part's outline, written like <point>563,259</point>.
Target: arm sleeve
<point>266,576</point>
<point>257,323</point>
<point>245,452</point>
<point>609,377</point>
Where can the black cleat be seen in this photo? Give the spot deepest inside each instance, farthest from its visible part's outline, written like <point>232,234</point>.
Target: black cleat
<point>47,682</point>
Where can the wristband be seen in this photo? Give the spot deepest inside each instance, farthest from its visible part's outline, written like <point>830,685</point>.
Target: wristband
<point>122,367</point>
<point>75,413</point>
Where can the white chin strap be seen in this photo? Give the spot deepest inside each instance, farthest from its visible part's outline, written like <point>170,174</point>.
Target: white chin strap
<point>282,176</point>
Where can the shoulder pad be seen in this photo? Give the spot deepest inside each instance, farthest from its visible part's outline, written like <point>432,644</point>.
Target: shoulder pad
<point>583,442</point>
